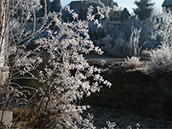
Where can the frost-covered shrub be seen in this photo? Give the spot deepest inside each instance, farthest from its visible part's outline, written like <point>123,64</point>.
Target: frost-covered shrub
<point>164,27</point>
<point>56,64</point>
<point>161,59</point>
<point>120,48</point>
<point>132,47</point>
<point>68,72</point>
<point>106,43</point>
<point>134,34</point>
<point>133,62</point>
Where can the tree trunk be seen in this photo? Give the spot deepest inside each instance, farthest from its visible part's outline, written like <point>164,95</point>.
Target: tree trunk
<point>4,36</point>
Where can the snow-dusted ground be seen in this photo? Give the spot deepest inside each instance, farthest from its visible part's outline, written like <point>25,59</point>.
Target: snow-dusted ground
<point>125,118</point>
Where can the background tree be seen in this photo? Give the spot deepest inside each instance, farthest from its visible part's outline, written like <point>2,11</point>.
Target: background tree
<point>124,14</point>
<point>144,9</point>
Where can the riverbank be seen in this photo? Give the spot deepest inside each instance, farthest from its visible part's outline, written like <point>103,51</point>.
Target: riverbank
<point>123,119</point>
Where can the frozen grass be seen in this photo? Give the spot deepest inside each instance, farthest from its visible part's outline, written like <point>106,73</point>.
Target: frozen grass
<point>133,62</point>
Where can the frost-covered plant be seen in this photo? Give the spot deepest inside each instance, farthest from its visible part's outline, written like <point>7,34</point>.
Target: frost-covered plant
<point>133,62</point>
<point>13,53</point>
<point>111,125</point>
<point>56,63</point>
<point>164,29</point>
<point>161,59</point>
<point>134,41</point>
<point>67,74</point>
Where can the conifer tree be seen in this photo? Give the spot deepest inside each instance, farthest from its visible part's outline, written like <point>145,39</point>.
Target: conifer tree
<point>124,14</point>
<point>144,9</point>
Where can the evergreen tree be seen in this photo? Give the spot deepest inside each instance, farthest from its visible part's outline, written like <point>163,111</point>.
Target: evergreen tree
<point>124,14</point>
<point>144,9</point>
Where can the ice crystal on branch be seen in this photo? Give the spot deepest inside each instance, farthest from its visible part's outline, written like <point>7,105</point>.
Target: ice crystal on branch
<point>56,64</point>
